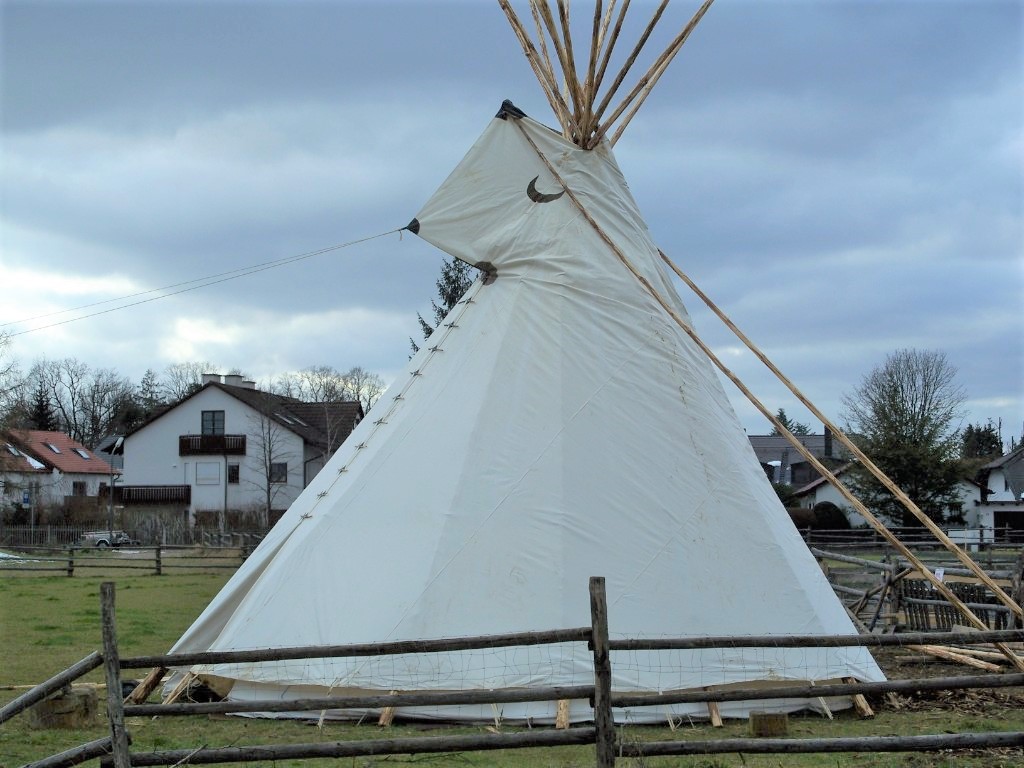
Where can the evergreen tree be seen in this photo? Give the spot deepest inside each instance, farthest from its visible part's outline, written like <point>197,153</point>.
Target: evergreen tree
<point>795,427</point>
<point>981,442</point>
<point>456,277</point>
<point>150,393</point>
<point>41,414</point>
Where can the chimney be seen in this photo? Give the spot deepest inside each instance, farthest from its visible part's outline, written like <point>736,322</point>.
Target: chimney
<point>249,384</point>
<point>828,443</point>
<point>234,380</point>
<point>211,377</point>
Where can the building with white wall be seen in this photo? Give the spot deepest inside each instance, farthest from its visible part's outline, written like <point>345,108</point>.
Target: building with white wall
<point>232,447</point>
<point>43,469</point>
<point>1001,503</point>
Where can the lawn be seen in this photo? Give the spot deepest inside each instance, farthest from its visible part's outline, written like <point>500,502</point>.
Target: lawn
<point>49,622</point>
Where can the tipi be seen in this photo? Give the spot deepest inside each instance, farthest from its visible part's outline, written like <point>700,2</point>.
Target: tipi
<point>558,425</point>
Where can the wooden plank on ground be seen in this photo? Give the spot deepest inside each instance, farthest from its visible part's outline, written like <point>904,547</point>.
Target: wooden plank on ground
<point>944,653</point>
<point>714,715</point>
<point>146,687</point>
<point>387,715</point>
<point>859,702</point>
<point>562,714</point>
<point>180,688</point>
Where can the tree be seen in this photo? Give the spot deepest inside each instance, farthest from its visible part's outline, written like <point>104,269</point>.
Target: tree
<point>268,451</point>
<point>150,393</point>
<point>456,277</point>
<point>88,403</point>
<point>786,494</point>
<point>904,414</point>
<point>41,414</point>
<point>795,427</point>
<point>363,387</point>
<point>184,379</point>
<point>322,384</point>
<point>981,442</point>
<point>11,384</point>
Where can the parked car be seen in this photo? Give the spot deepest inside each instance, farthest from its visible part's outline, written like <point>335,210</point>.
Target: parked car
<point>104,539</point>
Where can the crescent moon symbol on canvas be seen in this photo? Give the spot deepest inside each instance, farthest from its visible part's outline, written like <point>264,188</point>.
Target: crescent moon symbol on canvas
<point>540,197</point>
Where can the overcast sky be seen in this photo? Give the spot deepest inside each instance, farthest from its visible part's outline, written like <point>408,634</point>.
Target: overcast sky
<point>843,178</point>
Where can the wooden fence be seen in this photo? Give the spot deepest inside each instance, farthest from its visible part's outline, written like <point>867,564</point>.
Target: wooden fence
<point>916,538</point>
<point>891,593</point>
<point>62,536</point>
<point>159,560</point>
<point>115,749</point>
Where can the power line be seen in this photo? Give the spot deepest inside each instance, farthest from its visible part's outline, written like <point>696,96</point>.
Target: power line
<point>199,282</point>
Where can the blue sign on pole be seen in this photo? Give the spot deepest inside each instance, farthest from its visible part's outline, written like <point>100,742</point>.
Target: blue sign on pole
<point>24,497</point>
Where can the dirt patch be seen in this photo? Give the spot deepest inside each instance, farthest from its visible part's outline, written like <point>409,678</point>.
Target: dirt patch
<point>899,664</point>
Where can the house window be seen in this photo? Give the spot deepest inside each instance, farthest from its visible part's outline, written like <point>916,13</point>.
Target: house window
<point>78,488</point>
<point>207,473</point>
<point>213,422</point>
<point>279,472</point>
<point>233,474</point>
<point>52,447</point>
<point>84,454</point>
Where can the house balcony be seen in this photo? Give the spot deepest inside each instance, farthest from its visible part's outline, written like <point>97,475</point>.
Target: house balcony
<point>147,494</point>
<point>210,445</point>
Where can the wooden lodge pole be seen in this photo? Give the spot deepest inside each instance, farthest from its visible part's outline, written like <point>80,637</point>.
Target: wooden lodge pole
<point>112,668</point>
<point>875,523</point>
<point>866,462</point>
<point>603,722</point>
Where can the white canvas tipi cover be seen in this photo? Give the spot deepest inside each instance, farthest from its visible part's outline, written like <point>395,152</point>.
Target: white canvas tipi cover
<point>558,425</point>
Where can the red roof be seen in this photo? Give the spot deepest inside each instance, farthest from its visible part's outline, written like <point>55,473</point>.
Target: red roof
<point>55,449</point>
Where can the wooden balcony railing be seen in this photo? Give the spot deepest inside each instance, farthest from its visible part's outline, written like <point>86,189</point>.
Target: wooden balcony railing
<point>220,445</point>
<point>148,494</point>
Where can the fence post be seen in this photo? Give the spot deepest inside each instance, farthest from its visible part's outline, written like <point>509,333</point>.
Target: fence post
<point>159,562</point>
<point>71,561</point>
<point>112,668</point>
<point>603,722</point>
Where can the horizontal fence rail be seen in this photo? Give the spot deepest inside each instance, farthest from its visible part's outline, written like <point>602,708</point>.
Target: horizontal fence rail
<point>603,735</point>
<point>581,634</point>
<point>76,755</point>
<point>623,700</point>
<point>380,701</point>
<point>409,746</point>
<point>158,559</point>
<point>54,684</point>
<point>809,641</point>
<point>927,743</point>
<point>149,532</point>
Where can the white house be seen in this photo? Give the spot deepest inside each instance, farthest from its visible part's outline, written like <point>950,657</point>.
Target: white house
<point>1001,502</point>
<point>993,503</point>
<point>42,469</point>
<point>232,447</point>
<point>821,490</point>
<point>782,463</point>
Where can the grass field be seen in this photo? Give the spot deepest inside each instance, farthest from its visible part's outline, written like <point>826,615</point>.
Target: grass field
<point>49,622</point>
